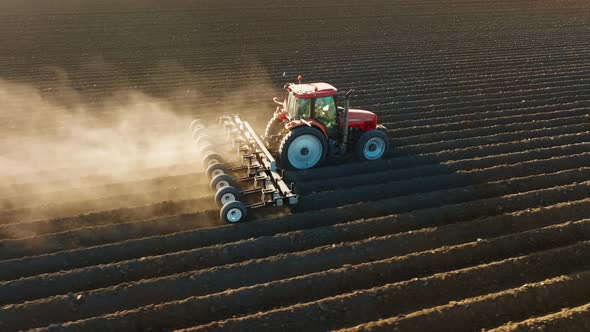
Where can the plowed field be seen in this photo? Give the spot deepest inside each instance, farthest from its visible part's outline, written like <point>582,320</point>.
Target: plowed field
<point>478,217</point>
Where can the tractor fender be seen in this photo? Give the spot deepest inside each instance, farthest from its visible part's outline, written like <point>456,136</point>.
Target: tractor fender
<point>311,123</point>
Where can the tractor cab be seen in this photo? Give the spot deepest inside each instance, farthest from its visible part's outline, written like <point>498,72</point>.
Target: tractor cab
<point>315,101</point>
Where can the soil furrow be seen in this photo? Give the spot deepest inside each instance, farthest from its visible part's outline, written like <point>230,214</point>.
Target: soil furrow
<point>496,121</point>
<point>370,304</point>
<point>568,319</point>
<point>488,146</point>
<point>167,289</point>
<point>163,244</point>
<point>474,188</point>
<point>61,182</point>
<point>47,226</point>
<point>448,166</point>
<point>112,274</point>
<point>60,210</point>
<point>458,114</point>
<point>518,131</point>
<point>437,65</point>
<point>379,188</point>
<point>438,70</point>
<point>91,236</point>
<point>477,217</point>
<point>489,310</point>
<point>112,187</point>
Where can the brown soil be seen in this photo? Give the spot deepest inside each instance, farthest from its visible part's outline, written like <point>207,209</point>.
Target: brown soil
<point>478,217</point>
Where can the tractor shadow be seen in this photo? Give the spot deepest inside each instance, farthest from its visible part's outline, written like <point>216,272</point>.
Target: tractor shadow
<point>345,180</point>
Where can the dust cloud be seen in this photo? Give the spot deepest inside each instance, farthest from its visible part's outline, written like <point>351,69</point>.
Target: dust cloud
<point>64,154</point>
<point>49,141</point>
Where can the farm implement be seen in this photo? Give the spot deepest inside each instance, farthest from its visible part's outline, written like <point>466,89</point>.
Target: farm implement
<point>307,127</point>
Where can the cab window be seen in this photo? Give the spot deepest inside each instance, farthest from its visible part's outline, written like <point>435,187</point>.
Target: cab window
<point>303,108</point>
<point>325,111</point>
<point>291,100</point>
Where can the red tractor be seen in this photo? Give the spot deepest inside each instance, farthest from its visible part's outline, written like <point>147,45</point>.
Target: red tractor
<point>308,126</point>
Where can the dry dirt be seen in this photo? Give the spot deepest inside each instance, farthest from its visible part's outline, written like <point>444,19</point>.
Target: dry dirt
<point>479,217</point>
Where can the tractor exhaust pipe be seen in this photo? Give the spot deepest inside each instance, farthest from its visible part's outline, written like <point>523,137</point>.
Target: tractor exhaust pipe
<point>344,144</point>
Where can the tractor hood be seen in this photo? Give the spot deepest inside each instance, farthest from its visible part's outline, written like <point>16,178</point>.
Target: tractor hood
<point>363,119</point>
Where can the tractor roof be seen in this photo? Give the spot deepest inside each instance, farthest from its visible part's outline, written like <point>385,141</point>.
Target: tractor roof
<point>312,90</point>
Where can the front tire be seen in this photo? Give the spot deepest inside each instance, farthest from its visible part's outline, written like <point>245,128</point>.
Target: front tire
<point>372,145</point>
<point>303,148</point>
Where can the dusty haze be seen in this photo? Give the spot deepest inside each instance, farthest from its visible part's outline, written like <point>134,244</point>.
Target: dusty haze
<point>60,142</point>
<point>44,136</point>
<point>63,153</point>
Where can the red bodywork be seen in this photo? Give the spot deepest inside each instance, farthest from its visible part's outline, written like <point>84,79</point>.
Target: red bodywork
<point>363,120</point>
<point>307,122</point>
<point>312,90</point>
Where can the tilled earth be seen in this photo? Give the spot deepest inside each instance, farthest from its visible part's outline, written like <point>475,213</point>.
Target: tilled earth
<point>479,217</point>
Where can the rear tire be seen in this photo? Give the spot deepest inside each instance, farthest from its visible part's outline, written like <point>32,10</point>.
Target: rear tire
<point>372,145</point>
<point>303,148</point>
<point>226,195</point>
<point>273,127</point>
<point>233,212</point>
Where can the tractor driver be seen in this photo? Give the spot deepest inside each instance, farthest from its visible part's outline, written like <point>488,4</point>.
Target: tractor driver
<point>325,112</point>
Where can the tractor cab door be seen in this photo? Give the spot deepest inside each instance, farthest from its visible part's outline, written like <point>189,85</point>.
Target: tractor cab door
<point>325,113</point>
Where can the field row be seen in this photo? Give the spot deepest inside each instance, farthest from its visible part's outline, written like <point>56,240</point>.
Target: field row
<point>148,267</point>
<point>440,163</point>
<point>410,253</point>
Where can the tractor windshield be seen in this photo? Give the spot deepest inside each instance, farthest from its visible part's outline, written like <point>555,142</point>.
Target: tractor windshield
<point>299,108</point>
<point>325,111</point>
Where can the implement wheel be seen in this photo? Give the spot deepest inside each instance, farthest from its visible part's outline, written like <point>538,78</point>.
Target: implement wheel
<point>215,169</point>
<point>203,139</point>
<point>233,212</point>
<point>194,123</point>
<point>221,181</point>
<point>198,131</point>
<point>210,159</point>
<point>226,195</point>
<point>303,148</point>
